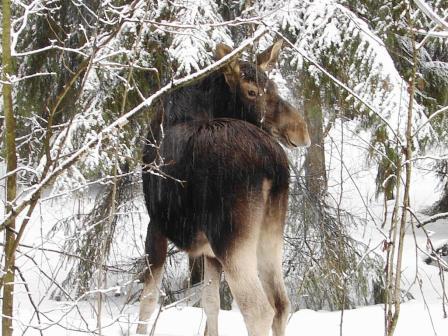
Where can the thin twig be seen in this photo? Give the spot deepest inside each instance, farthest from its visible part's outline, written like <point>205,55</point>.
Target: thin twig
<point>28,292</point>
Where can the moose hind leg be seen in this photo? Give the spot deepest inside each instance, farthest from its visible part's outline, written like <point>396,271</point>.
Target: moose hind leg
<point>270,272</point>
<point>240,270</point>
<point>270,253</point>
<point>238,256</point>
<point>210,294</point>
<point>156,247</point>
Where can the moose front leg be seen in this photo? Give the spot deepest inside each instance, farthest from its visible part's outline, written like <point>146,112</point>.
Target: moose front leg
<point>156,246</point>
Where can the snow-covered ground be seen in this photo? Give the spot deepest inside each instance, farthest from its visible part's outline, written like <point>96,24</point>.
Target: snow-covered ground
<point>414,320</point>
<point>422,315</point>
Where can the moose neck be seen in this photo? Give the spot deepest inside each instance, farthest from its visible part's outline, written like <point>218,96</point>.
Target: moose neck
<point>210,98</point>
<point>226,102</point>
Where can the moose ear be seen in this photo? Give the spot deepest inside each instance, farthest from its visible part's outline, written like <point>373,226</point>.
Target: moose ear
<point>232,70</point>
<point>267,59</point>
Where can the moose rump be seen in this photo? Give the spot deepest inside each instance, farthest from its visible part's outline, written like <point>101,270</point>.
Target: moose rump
<point>223,195</point>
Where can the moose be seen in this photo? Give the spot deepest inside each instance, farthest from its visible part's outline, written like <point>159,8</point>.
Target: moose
<point>224,189</point>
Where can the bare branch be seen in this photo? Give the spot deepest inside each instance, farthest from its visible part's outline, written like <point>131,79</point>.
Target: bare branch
<point>36,309</point>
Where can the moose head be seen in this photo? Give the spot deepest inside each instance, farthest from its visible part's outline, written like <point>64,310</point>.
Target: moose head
<point>260,99</point>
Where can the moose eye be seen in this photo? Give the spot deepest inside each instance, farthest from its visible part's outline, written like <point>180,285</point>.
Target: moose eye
<point>252,93</point>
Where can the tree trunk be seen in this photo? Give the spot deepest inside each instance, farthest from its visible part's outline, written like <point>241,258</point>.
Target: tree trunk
<point>333,241</point>
<point>11,165</point>
<point>315,173</point>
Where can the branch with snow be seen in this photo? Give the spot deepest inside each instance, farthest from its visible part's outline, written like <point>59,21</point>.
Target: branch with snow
<point>431,13</point>
<point>435,114</point>
<point>342,85</point>
<point>432,219</point>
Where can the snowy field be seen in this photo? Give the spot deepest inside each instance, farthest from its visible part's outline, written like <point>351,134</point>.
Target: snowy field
<point>414,320</point>
<point>422,315</point>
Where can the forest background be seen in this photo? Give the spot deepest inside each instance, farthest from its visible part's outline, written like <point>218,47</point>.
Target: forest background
<point>80,81</point>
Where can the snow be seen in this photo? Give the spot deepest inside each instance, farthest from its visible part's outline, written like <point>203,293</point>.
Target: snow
<point>415,319</point>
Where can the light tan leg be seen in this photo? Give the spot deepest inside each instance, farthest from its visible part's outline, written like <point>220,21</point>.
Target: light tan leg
<point>210,294</point>
<point>156,246</point>
<point>149,298</point>
<point>270,253</point>
<point>241,274</point>
<point>271,276</point>
<point>239,261</point>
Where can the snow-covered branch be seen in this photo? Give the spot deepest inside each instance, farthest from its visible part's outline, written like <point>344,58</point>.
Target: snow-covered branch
<point>435,114</point>
<point>51,47</point>
<point>432,219</point>
<point>429,157</point>
<point>443,34</point>
<point>24,18</point>
<point>15,79</point>
<point>342,85</point>
<point>431,14</point>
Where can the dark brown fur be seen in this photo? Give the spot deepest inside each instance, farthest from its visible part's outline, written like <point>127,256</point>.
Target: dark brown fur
<point>219,162</point>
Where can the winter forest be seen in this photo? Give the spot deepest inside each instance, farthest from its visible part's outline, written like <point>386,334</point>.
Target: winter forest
<point>365,245</point>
